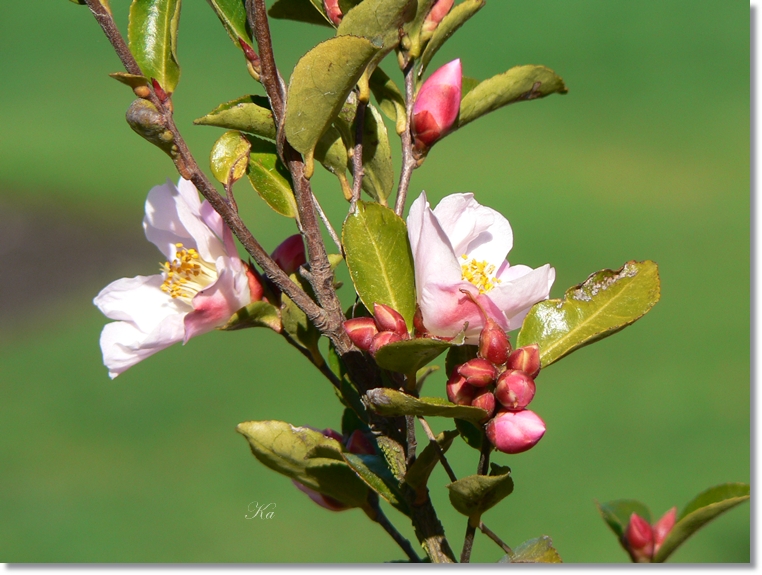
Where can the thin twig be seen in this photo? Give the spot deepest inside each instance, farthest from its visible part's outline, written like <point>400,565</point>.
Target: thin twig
<point>357,165</point>
<point>492,535</point>
<point>106,21</point>
<point>384,522</point>
<point>468,542</point>
<point>328,226</point>
<point>322,367</point>
<point>408,161</point>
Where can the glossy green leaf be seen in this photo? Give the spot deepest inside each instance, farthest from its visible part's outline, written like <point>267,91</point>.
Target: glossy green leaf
<point>475,494</point>
<point>705,507</point>
<point>516,85</point>
<point>378,179</point>
<point>152,34</point>
<point>386,401</point>
<point>373,471</point>
<point>270,178</point>
<point>229,157</point>
<point>605,303</point>
<point>617,514</point>
<point>410,355</point>
<point>320,84</point>
<point>379,259</point>
<point>131,80</point>
<point>249,113</point>
<point>539,550</point>
<point>378,20</point>
<point>418,474</point>
<point>232,14</point>
<point>472,433</point>
<point>390,99</point>
<point>458,16</point>
<point>256,314</point>
<point>308,11</point>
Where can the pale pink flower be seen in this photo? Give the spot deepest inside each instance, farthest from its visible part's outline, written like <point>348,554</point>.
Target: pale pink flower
<point>462,245</point>
<point>200,286</point>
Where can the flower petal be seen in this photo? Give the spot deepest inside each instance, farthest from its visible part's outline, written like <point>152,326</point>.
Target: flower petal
<point>516,296</point>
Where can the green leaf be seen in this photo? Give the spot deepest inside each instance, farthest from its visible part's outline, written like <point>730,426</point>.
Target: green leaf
<point>378,20</point>
<point>270,178</point>
<point>471,433</point>
<point>394,456</point>
<point>309,11</point>
<point>373,471</point>
<point>335,479</point>
<point>410,355</point>
<point>516,85</point>
<point>705,507</point>
<point>539,550</point>
<point>418,474</point>
<point>331,152</point>
<point>232,14</point>
<point>413,28</point>
<point>605,303</point>
<point>299,327</point>
<point>229,157</point>
<point>385,401</point>
<point>256,314</point>
<point>379,259</point>
<point>131,80</point>
<point>475,494</point>
<point>249,113</point>
<point>378,180</point>
<point>458,16</point>
<point>152,34</point>
<point>617,514</point>
<point>467,84</point>
<point>320,84</point>
<point>390,99</point>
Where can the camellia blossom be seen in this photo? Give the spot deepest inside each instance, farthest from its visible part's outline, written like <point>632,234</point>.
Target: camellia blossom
<point>462,245</point>
<point>201,285</point>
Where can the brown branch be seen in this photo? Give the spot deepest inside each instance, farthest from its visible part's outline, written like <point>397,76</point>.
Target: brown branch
<point>106,20</point>
<point>384,522</point>
<point>408,160</point>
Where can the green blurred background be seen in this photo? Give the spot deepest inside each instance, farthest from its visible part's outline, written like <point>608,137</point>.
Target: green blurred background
<point>646,157</point>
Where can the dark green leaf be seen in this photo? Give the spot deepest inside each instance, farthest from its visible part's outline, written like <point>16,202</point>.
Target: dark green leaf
<point>617,514</point>
<point>229,157</point>
<point>538,550</point>
<point>472,433</point>
<point>320,84</point>
<point>410,355</point>
<point>379,258</point>
<point>131,80</point>
<point>270,178</point>
<point>605,303</point>
<point>699,512</point>
<point>335,479</point>
<point>418,474</point>
<point>378,20</point>
<point>390,99</point>
<point>378,180</point>
<point>385,401</point>
<point>373,471</point>
<point>458,16</point>
<point>152,34</point>
<point>475,494</point>
<point>413,28</point>
<point>309,11</point>
<point>232,14</point>
<point>298,327</point>
<point>516,85</point>
<point>256,314</point>
<point>249,113</point>
<point>331,152</point>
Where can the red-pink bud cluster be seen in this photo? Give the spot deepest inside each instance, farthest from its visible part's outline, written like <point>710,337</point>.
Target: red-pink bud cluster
<point>643,540</point>
<point>501,382</point>
<point>372,333</point>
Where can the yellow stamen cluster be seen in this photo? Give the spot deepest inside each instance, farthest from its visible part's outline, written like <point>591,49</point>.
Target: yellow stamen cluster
<point>481,274</point>
<point>187,274</point>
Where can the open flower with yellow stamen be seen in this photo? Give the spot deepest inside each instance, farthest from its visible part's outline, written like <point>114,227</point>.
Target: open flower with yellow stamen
<point>462,245</point>
<point>202,283</point>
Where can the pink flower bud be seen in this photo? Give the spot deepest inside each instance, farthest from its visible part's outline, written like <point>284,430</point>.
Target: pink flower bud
<point>256,289</point>
<point>478,372</point>
<point>458,391</point>
<point>389,319</point>
<point>437,105</point>
<point>484,399</point>
<point>361,330</point>
<point>359,444</point>
<point>527,359</point>
<point>515,431</point>
<point>640,539</point>
<point>289,255</point>
<point>333,10</point>
<point>333,434</point>
<point>323,500</point>
<point>438,11</point>
<point>494,345</point>
<point>515,389</point>
<point>663,527</point>
<point>381,339</point>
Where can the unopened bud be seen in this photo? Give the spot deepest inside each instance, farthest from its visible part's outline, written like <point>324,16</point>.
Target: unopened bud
<point>256,289</point>
<point>663,527</point>
<point>361,330</point>
<point>389,319</point>
<point>359,444</point>
<point>640,539</point>
<point>527,359</point>
<point>515,390</point>
<point>333,11</point>
<point>159,91</point>
<point>381,339</point>
<point>494,345</point>
<point>458,391</point>
<point>332,434</point>
<point>478,372</point>
<point>289,255</point>
<point>437,105</point>
<point>515,431</point>
<point>484,399</point>
<point>438,11</point>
